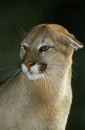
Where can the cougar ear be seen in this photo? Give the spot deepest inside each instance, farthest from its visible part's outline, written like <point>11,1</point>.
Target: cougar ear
<point>70,40</point>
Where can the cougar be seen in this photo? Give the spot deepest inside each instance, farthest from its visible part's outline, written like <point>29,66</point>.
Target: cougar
<point>37,94</point>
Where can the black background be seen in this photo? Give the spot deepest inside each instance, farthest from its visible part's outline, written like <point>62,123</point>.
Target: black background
<point>18,17</point>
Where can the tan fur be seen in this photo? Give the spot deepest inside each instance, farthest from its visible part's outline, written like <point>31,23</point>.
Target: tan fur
<point>41,104</point>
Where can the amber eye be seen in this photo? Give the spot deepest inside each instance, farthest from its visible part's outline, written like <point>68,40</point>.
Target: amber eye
<point>44,48</point>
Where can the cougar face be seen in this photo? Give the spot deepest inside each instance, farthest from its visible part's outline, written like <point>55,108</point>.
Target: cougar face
<point>45,48</point>
<point>38,57</point>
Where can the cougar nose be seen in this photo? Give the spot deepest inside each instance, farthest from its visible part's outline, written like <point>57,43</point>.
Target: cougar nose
<point>29,64</point>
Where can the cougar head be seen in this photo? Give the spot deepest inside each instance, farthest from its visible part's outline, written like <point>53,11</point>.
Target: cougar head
<point>47,49</point>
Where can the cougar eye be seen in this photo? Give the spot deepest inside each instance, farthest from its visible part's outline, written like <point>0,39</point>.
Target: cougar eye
<point>44,48</point>
<point>25,47</point>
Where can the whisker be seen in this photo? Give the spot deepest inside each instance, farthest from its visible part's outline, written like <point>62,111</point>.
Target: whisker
<point>58,64</point>
<point>9,73</point>
<point>74,74</point>
<point>22,31</point>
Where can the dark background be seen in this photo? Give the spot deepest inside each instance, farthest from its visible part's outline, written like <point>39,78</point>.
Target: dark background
<point>17,18</point>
